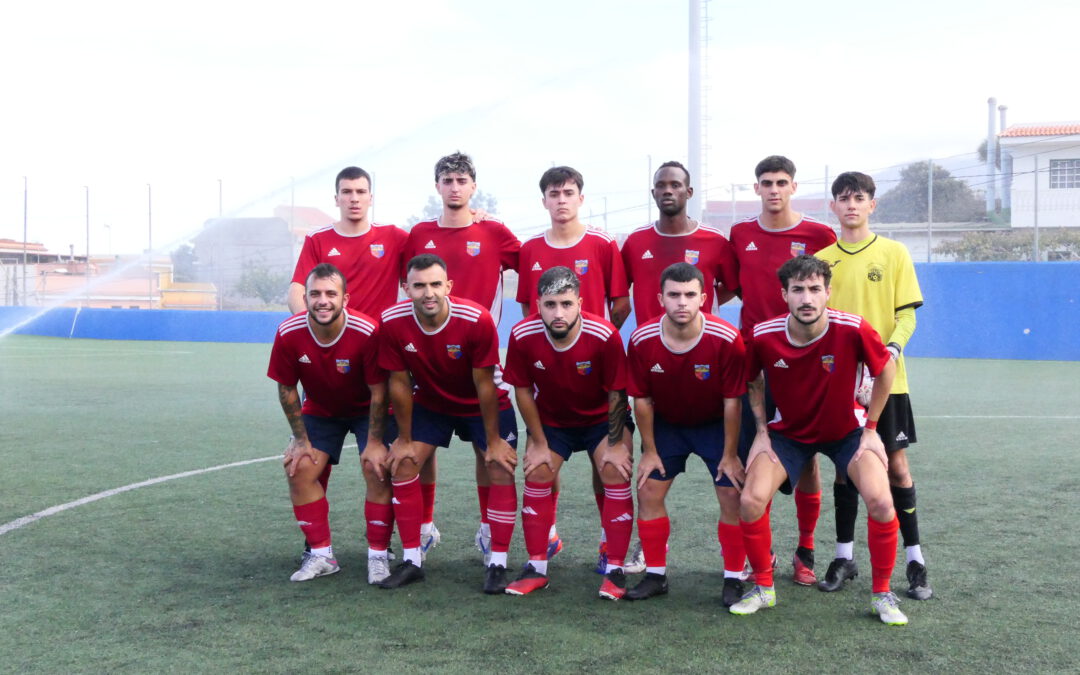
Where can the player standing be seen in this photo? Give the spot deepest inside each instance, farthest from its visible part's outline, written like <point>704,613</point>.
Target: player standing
<point>814,357</point>
<point>448,348</point>
<point>475,254</point>
<point>686,374</point>
<point>761,245</point>
<point>675,237</point>
<point>331,350</point>
<point>875,278</point>
<point>568,368</point>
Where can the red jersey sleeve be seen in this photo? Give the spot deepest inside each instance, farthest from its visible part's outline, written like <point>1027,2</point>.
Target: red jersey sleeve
<point>636,382</point>
<point>614,375</point>
<point>484,347</point>
<point>390,358</point>
<point>624,255</point>
<point>508,249</point>
<point>516,372</point>
<point>282,368</point>
<point>308,259</point>
<point>373,374</point>
<point>753,363</point>
<point>874,353</point>
<point>727,272</point>
<point>617,284</point>
<point>733,365</point>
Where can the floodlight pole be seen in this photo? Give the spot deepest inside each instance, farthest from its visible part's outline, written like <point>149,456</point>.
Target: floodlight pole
<point>693,206</point>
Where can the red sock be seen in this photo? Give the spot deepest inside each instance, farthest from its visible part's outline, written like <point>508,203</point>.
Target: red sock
<point>654,538</point>
<point>537,515</point>
<point>314,522</point>
<point>731,543</point>
<point>502,512</point>
<point>380,525</point>
<point>599,497</point>
<point>807,510</point>
<point>427,490</point>
<point>617,516</point>
<point>324,477</point>
<point>482,493</point>
<point>881,540</point>
<point>757,538</point>
<point>408,510</point>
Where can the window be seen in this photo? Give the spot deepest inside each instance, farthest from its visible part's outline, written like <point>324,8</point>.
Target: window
<point>1064,173</point>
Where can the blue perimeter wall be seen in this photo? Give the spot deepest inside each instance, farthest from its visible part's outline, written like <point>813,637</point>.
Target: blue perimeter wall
<point>973,310</point>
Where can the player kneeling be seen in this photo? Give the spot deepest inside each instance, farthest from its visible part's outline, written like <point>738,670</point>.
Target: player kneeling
<point>568,368</point>
<point>813,358</point>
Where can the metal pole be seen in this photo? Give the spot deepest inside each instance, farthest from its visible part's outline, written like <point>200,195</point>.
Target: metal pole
<point>693,207</point>
<point>930,210</point>
<point>1035,243</point>
<point>150,247</point>
<point>87,188</point>
<point>26,293</point>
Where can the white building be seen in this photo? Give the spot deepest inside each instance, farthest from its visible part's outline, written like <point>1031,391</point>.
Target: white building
<point>1045,173</point>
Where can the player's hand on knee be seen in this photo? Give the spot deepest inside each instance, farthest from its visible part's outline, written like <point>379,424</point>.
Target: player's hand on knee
<point>502,455</point>
<point>762,445</point>
<point>732,468</point>
<point>374,459</point>
<point>295,452</point>
<point>537,455</point>
<point>616,456</point>
<point>401,452</point>
<point>650,461</point>
<point>871,443</point>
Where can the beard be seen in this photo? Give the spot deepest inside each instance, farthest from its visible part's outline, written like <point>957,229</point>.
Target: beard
<point>559,335</point>
<point>331,320</point>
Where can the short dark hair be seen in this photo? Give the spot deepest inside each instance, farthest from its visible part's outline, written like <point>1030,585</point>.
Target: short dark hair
<point>775,164</point>
<point>560,175</point>
<point>351,173</point>
<point>675,165</point>
<point>458,162</point>
<point>681,272</point>
<point>853,181</point>
<point>424,261</point>
<point>803,267</point>
<point>327,271</point>
<point>558,280</point>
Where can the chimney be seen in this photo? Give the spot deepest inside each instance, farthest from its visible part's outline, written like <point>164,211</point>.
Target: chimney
<point>991,143</point>
<point>1004,164</point>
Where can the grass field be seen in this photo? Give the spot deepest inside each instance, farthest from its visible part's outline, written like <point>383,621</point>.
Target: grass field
<point>191,574</point>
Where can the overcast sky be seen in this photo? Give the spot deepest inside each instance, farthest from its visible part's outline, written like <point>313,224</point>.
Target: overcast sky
<point>270,95</point>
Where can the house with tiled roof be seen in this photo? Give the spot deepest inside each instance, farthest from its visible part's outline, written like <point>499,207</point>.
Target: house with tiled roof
<point>1045,173</point>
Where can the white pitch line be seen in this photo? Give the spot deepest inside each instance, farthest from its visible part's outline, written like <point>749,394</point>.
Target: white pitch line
<point>999,417</point>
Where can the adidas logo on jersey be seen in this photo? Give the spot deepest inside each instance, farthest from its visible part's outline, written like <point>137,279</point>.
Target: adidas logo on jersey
<point>536,267</point>
<point>529,511</point>
<point>394,500</point>
<point>539,366</point>
<point>333,251</point>
<point>305,359</point>
<point>409,348</point>
<point>430,244</point>
<point>780,364</point>
<point>647,255</point>
<point>623,518</point>
<point>656,368</point>
<point>512,437</point>
<point>751,247</point>
<point>901,437</point>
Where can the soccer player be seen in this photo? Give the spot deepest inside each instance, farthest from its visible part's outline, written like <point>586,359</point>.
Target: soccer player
<point>875,278</point>
<point>814,357</point>
<point>686,374</point>
<point>449,348</point>
<point>761,245</point>
<point>594,257</point>
<point>475,254</point>
<point>568,369</point>
<point>675,237</point>
<point>331,349</point>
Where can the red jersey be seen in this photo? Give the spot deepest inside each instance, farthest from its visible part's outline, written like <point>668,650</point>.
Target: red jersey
<point>689,387</point>
<point>441,362</point>
<point>371,263</point>
<point>648,251</point>
<point>814,384</point>
<point>475,257</point>
<point>759,253</point>
<point>570,385</point>
<point>594,258</point>
<point>335,375</point>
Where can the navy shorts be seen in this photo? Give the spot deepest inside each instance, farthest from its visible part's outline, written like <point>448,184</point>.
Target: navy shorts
<point>565,441</point>
<point>328,433</point>
<point>435,428</point>
<point>675,443</point>
<point>896,426</point>
<point>794,455</point>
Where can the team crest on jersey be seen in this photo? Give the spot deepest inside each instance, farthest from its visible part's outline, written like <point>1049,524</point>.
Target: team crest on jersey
<point>584,367</point>
<point>343,366</point>
<point>692,257</point>
<point>377,250</point>
<point>875,273</point>
<point>472,248</point>
<point>702,371</point>
<point>828,363</point>
<point>454,351</point>
<point>581,266</point>
<point>798,248</point>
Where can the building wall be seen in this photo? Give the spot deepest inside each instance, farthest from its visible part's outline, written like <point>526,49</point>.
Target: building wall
<point>1055,208</point>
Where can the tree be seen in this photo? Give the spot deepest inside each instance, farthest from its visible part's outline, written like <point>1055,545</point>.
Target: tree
<point>259,281</point>
<point>433,208</point>
<point>184,261</point>
<point>954,201</point>
<point>1054,244</point>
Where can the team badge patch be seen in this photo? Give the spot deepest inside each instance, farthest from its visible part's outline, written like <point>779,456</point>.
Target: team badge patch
<point>875,273</point>
<point>798,248</point>
<point>454,351</point>
<point>377,250</point>
<point>581,266</point>
<point>343,366</point>
<point>584,367</point>
<point>828,363</point>
<point>472,248</point>
<point>692,257</point>
<point>701,371</point>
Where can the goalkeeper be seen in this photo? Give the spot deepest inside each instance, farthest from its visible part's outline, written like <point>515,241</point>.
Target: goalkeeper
<point>874,277</point>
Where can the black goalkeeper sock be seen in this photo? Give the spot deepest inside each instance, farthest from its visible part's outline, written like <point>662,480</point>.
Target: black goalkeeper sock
<point>846,501</point>
<point>904,502</point>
